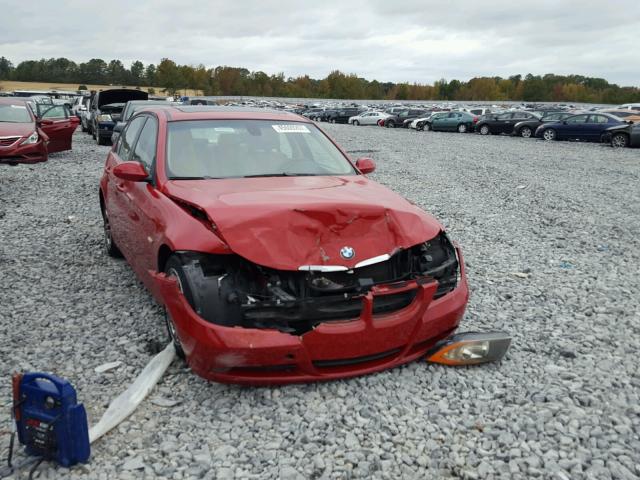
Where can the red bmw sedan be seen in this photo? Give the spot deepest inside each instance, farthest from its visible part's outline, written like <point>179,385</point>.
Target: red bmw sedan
<point>277,259</point>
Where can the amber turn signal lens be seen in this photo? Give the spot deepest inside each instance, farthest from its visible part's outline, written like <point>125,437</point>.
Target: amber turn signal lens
<point>470,348</point>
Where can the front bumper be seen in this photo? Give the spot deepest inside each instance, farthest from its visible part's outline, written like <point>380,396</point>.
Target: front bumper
<point>105,129</point>
<point>333,350</point>
<point>34,153</point>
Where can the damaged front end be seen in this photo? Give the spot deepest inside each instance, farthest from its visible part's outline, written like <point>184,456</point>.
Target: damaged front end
<point>231,291</point>
<point>239,322</point>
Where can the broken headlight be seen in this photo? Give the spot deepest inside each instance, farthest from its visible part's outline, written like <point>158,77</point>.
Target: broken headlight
<point>438,259</point>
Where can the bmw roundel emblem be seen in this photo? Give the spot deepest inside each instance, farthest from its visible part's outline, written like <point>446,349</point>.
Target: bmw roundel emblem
<point>347,253</point>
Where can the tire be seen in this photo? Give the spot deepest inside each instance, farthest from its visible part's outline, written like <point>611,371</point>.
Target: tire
<point>428,127</point>
<point>525,132</point>
<point>333,120</point>
<point>619,140</point>
<point>549,134</point>
<point>109,244</point>
<point>391,125</point>
<point>485,130</point>
<point>356,123</point>
<point>83,128</point>
<point>173,268</point>
<point>102,140</point>
<point>462,128</point>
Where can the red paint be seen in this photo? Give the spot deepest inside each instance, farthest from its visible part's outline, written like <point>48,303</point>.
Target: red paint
<point>15,152</point>
<point>282,223</point>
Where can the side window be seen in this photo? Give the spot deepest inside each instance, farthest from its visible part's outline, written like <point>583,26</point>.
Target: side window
<point>599,119</point>
<point>145,150</point>
<point>54,112</point>
<point>577,119</point>
<point>128,137</point>
<point>504,116</point>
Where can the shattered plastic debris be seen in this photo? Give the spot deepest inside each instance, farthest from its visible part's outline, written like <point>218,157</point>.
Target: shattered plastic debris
<point>520,274</point>
<point>105,367</point>
<point>565,265</point>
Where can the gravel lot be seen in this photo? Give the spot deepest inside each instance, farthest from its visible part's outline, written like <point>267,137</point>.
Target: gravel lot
<point>551,238</point>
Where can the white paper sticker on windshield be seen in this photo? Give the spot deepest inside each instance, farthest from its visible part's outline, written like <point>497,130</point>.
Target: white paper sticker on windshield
<point>19,106</point>
<point>290,128</point>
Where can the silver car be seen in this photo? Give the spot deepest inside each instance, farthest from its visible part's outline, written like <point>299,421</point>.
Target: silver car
<point>367,118</point>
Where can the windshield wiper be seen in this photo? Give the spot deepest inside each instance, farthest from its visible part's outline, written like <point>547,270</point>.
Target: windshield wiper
<point>205,177</point>
<point>283,174</point>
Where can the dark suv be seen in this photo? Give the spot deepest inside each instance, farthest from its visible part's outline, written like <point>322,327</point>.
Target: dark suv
<point>343,115</point>
<point>106,108</point>
<point>399,119</point>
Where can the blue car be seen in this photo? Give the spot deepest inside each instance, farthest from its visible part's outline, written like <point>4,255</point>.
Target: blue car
<point>590,127</point>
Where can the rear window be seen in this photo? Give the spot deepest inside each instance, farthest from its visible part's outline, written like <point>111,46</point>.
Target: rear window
<point>250,148</point>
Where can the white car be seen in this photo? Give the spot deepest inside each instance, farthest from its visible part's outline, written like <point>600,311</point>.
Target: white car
<point>367,118</point>
<point>630,106</point>
<point>418,123</point>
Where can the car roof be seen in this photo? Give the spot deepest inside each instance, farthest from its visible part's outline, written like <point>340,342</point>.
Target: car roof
<point>208,112</point>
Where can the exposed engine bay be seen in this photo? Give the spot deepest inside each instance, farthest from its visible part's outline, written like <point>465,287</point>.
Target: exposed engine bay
<point>231,291</point>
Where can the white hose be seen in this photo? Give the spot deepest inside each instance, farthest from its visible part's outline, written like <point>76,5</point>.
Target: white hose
<point>124,404</point>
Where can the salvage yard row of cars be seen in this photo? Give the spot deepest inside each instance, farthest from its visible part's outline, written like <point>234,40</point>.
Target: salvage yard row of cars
<point>619,126</point>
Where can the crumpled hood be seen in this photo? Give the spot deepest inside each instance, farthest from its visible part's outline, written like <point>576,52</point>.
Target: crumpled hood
<point>288,222</point>
<point>9,129</point>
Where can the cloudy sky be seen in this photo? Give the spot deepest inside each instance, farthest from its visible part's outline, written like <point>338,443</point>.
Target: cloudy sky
<point>408,40</point>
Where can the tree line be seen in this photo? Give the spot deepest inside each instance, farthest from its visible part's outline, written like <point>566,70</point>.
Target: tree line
<point>224,80</point>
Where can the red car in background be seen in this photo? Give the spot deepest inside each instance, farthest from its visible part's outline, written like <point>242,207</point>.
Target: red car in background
<point>25,138</point>
<point>277,259</point>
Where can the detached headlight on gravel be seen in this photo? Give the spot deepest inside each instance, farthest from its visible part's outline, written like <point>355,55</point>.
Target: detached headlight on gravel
<point>105,117</point>
<point>470,348</point>
<point>31,139</point>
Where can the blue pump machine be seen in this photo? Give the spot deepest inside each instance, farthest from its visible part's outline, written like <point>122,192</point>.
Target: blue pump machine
<point>49,420</point>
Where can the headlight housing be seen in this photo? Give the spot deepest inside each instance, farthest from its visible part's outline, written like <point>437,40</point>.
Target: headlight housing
<point>104,117</point>
<point>31,139</point>
<point>438,259</point>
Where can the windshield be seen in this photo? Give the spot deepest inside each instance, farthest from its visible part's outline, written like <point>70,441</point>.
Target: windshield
<point>250,148</point>
<point>15,114</point>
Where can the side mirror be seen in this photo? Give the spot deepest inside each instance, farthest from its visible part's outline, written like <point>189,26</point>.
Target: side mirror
<point>118,127</point>
<point>131,171</point>
<point>365,165</point>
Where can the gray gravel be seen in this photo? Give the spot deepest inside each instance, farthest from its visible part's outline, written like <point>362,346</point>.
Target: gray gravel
<point>551,238</point>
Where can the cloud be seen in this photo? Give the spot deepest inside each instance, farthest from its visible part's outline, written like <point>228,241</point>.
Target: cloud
<point>413,40</point>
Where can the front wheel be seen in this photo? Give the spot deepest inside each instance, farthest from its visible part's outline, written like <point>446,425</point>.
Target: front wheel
<point>549,134</point>
<point>619,140</point>
<point>391,125</point>
<point>485,130</point>
<point>173,268</point>
<point>525,132</point>
<point>109,244</point>
<point>462,128</point>
<point>356,123</point>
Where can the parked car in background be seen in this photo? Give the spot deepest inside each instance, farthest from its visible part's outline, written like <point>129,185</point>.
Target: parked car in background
<point>201,203</point>
<point>627,114</point>
<point>80,104</point>
<point>429,120</point>
<point>397,120</point>
<point>478,112</point>
<point>588,127</point>
<point>106,108</point>
<point>368,118</point>
<point>527,128</point>
<point>621,136</point>
<point>503,122</point>
<point>343,115</point>
<point>323,116</point>
<point>630,106</point>
<point>312,113</point>
<point>21,139</point>
<point>130,108</point>
<point>461,122</point>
